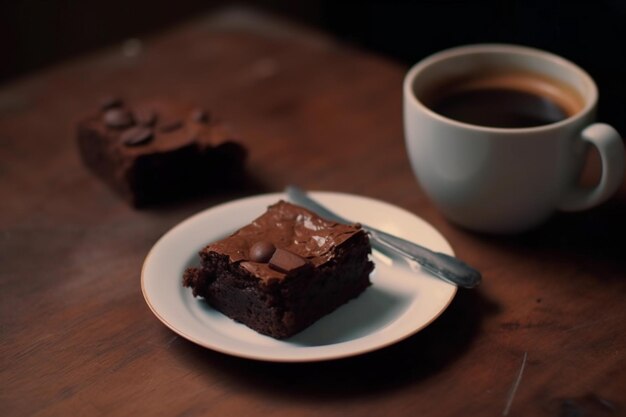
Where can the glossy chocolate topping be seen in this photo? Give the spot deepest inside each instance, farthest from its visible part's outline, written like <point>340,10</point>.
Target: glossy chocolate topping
<point>288,227</point>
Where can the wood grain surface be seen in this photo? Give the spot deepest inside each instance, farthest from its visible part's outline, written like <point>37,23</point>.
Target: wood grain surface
<point>77,337</point>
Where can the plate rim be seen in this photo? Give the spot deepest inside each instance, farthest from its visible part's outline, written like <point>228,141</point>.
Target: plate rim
<point>324,356</point>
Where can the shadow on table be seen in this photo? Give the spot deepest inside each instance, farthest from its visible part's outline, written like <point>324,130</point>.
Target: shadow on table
<point>408,362</point>
<point>595,236</point>
<point>220,191</point>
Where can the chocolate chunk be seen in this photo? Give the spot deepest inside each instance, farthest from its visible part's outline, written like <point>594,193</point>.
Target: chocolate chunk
<point>200,116</point>
<point>171,126</point>
<point>146,117</point>
<point>284,261</point>
<point>262,251</point>
<point>118,118</point>
<point>136,136</point>
<point>110,102</point>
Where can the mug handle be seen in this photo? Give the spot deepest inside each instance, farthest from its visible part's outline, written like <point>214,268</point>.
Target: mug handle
<point>611,149</point>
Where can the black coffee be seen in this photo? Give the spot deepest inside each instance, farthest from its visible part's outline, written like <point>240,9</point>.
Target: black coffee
<point>504,100</point>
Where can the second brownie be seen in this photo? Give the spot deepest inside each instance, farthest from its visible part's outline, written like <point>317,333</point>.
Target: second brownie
<point>154,151</point>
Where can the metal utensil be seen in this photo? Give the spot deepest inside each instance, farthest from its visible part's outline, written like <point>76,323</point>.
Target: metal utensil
<point>439,264</point>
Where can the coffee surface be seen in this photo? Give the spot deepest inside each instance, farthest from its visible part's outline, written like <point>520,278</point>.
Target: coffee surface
<point>507,100</point>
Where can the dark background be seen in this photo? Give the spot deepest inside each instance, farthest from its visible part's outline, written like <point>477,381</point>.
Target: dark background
<point>37,33</point>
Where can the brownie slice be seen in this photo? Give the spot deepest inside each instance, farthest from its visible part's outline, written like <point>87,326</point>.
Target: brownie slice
<point>153,151</point>
<point>284,271</point>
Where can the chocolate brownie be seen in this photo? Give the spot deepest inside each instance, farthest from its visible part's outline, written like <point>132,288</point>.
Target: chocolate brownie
<point>155,150</point>
<point>284,271</point>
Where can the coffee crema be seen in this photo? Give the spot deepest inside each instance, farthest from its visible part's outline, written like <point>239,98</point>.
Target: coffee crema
<point>504,100</point>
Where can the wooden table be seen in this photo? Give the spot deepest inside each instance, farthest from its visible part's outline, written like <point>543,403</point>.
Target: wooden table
<point>78,338</point>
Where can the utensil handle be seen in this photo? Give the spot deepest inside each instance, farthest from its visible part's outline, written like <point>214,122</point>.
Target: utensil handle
<point>444,266</point>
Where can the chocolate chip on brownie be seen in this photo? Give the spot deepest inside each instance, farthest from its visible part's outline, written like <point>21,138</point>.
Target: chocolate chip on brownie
<point>136,136</point>
<point>284,261</point>
<point>118,118</point>
<point>262,251</point>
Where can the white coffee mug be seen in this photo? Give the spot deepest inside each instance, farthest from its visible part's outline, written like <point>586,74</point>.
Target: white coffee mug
<point>506,180</point>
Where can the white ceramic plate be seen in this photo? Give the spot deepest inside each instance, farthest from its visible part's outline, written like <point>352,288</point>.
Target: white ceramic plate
<point>401,301</point>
